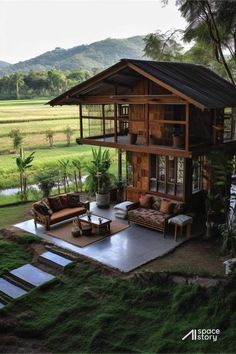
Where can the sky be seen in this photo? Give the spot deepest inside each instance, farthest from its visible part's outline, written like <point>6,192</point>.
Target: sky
<point>30,28</point>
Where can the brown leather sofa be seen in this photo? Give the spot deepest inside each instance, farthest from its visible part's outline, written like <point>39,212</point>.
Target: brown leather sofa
<point>153,211</point>
<point>52,210</point>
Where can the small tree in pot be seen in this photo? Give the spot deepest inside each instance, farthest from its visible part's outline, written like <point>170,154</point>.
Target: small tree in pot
<point>99,180</point>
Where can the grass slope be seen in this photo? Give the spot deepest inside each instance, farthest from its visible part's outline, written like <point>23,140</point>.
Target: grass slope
<point>88,312</point>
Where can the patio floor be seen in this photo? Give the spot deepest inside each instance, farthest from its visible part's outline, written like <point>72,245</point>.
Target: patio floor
<point>125,250</point>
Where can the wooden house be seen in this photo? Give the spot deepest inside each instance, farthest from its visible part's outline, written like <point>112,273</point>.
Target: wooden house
<point>164,116</point>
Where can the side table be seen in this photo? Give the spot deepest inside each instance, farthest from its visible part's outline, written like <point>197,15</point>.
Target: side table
<point>180,221</point>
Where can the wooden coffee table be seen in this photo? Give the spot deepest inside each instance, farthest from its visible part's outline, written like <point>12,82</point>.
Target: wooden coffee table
<point>100,224</point>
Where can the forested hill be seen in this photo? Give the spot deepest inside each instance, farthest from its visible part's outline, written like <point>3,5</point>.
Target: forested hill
<point>4,64</point>
<point>91,57</point>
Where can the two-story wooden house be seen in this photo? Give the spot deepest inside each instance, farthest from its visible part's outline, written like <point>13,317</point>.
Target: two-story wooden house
<point>166,117</point>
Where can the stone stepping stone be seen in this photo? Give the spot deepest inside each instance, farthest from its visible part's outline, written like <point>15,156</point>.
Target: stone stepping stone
<point>10,289</point>
<point>32,275</point>
<point>54,260</point>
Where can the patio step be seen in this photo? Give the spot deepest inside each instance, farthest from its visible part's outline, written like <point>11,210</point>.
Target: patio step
<point>31,276</point>
<point>62,252</point>
<point>12,291</point>
<point>54,260</point>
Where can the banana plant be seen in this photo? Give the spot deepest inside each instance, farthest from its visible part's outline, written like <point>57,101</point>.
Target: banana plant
<point>23,164</point>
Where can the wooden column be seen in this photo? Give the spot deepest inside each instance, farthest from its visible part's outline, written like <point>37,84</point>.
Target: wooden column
<point>187,128</point>
<point>147,122</point>
<point>81,122</point>
<point>115,122</point>
<point>119,164</point>
<point>103,122</point>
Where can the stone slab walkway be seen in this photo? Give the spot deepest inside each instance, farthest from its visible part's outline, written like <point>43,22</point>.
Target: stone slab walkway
<point>32,275</point>
<point>10,289</point>
<point>54,259</point>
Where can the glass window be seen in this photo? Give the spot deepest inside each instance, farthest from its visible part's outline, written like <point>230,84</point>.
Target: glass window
<point>197,174</point>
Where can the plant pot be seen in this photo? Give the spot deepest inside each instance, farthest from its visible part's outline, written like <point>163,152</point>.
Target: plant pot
<point>103,200</point>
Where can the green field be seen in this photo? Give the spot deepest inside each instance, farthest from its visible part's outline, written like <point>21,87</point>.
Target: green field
<point>33,118</point>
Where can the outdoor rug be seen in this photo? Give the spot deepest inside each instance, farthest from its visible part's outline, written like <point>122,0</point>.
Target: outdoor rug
<point>63,232</point>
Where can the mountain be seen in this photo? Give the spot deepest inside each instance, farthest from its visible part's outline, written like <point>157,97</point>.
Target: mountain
<point>4,64</point>
<point>95,56</point>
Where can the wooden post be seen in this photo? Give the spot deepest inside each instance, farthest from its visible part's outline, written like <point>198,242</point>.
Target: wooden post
<point>115,122</point>
<point>81,121</point>
<point>103,122</point>
<point>147,122</point>
<point>187,128</point>
<point>119,164</point>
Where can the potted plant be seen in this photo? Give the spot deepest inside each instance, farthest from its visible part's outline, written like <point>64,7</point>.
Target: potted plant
<point>99,179</point>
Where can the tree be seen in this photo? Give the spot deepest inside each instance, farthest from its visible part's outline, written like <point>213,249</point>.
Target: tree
<point>68,133</point>
<point>65,165</point>
<point>78,167</point>
<point>17,138</point>
<point>46,180</point>
<point>50,136</point>
<point>163,46</point>
<point>213,23</point>
<point>18,81</point>
<point>23,164</point>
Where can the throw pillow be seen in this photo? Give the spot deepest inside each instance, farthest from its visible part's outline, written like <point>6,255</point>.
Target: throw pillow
<point>73,200</point>
<point>178,208</point>
<point>166,206</point>
<point>44,208</point>
<point>156,203</point>
<point>145,201</point>
<point>55,203</point>
<point>64,200</point>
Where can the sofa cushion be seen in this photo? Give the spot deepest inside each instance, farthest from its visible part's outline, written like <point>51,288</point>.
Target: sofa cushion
<point>179,208</point>
<point>55,203</point>
<point>145,200</point>
<point>166,206</point>
<point>67,213</point>
<point>64,200</point>
<point>42,208</point>
<point>46,210</point>
<point>156,203</point>
<point>73,200</point>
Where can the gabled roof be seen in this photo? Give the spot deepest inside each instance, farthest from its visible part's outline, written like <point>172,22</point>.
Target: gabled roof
<point>196,82</point>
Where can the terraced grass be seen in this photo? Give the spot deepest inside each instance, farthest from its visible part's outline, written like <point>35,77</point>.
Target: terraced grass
<point>88,312</point>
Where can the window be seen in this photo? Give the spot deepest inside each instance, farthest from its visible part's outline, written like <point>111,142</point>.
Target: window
<point>229,124</point>
<point>167,174</point>
<point>123,110</point>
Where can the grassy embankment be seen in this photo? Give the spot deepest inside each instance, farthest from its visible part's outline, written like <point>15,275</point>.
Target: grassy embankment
<point>87,311</point>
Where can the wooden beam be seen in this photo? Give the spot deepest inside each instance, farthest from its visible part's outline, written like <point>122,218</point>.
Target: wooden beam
<point>151,149</point>
<point>132,99</point>
<point>166,86</point>
<point>103,122</point>
<point>112,82</point>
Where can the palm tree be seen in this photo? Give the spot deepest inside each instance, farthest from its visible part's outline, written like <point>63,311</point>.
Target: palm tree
<point>18,81</point>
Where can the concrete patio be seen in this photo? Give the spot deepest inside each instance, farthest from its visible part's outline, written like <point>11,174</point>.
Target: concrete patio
<point>126,250</point>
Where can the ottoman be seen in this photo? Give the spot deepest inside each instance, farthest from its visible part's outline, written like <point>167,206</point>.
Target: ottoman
<point>121,209</point>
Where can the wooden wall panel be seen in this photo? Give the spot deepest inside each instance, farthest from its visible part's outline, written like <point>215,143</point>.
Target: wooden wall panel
<point>155,89</point>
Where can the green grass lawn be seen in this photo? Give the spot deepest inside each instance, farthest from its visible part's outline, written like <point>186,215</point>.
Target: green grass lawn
<point>12,255</point>
<point>89,312</point>
<point>14,214</point>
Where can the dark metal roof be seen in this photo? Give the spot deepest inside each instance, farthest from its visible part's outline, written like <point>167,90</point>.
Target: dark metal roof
<point>194,81</point>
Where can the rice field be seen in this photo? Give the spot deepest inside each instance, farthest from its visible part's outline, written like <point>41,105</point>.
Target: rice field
<point>33,118</point>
